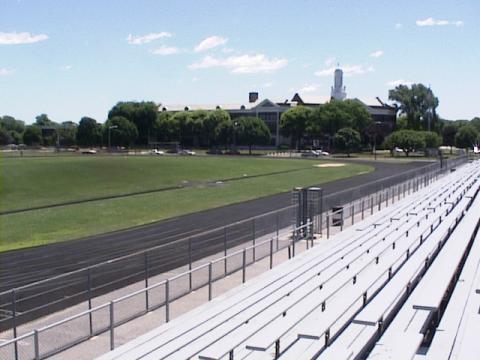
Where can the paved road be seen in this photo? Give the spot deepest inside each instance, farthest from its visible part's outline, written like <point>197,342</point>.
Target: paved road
<point>25,266</point>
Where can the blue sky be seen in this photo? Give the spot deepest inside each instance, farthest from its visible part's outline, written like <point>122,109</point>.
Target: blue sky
<point>78,58</point>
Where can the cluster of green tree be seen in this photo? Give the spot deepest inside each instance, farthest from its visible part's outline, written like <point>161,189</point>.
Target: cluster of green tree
<point>419,127</point>
<point>140,123</point>
<point>461,133</point>
<point>348,126</point>
<point>411,140</point>
<point>326,121</point>
<point>11,130</point>
<point>211,129</point>
<point>418,106</point>
<point>43,132</point>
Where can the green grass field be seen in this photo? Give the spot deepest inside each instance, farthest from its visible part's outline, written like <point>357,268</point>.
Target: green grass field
<point>30,182</point>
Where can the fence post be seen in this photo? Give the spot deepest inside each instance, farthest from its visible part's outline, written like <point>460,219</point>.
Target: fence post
<point>190,262</point>
<point>225,248</point>
<point>167,300</point>
<point>306,235</point>
<point>209,281</point>
<point>386,203</point>
<point>379,199</point>
<point>271,253</point>
<point>244,265</point>
<point>112,327</point>
<point>321,212</point>
<point>36,345</point>
<point>254,240</point>
<point>293,242</point>
<point>14,321</point>
<point>320,227</point>
<point>371,205</point>
<point>363,209</point>
<point>353,212</point>
<point>328,226</point>
<point>89,293</point>
<point>341,221</point>
<point>311,233</point>
<point>146,279</point>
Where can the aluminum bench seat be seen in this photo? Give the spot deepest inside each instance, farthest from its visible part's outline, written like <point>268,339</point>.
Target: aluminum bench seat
<point>427,296</point>
<point>218,349</point>
<point>462,308</point>
<point>386,302</point>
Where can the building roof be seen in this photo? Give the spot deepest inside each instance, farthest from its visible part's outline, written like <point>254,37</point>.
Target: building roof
<point>374,105</point>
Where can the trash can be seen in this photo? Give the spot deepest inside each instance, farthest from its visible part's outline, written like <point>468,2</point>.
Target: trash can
<point>337,216</point>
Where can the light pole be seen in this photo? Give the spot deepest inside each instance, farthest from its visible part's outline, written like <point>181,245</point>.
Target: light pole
<point>110,128</point>
<point>235,124</point>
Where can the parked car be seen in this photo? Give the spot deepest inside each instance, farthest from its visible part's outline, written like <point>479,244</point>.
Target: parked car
<point>187,152</point>
<point>315,153</point>
<point>157,152</point>
<point>310,153</point>
<point>89,151</point>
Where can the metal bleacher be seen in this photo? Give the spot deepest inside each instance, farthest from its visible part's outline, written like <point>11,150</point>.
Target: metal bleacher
<point>373,290</point>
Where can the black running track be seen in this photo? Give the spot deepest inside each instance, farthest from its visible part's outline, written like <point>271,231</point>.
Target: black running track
<point>25,266</point>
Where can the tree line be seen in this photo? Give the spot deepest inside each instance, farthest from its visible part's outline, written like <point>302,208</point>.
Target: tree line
<point>347,126</point>
<point>139,124</point>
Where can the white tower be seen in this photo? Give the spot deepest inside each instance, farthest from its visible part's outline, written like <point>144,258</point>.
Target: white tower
<point>338,90</point>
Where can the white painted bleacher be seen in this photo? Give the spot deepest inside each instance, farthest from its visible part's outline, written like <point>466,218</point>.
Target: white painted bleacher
<point>425,300</point>
<point>270,330</point>
<point>457,334</point>
<point>365,324</point>
<point>293,305</point>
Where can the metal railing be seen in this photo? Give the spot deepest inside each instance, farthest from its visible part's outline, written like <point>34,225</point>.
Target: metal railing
<point>68,332</point>
<point>26,303</point>
<point>384,195</point>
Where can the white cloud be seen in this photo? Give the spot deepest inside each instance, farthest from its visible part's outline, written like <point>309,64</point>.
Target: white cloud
<point>227,50</point>
<point>210,43</point>
<point>325,72</point>
<point>145,39</point>
<point>376,54</point>
<point>66,67</point>
<point>399,82</point>
<point>330,61</point>
<point>242,64</point>
<point>195,79</point>
<point>398,26</point>
<point>436,22</point>
<point>348,70</point>
<point>166,50</point>
<point>17,38</point>
<point>309,88</point>
<point>6,72</point>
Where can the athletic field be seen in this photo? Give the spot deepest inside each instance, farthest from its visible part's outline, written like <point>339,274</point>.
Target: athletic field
<point>71,194</point>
